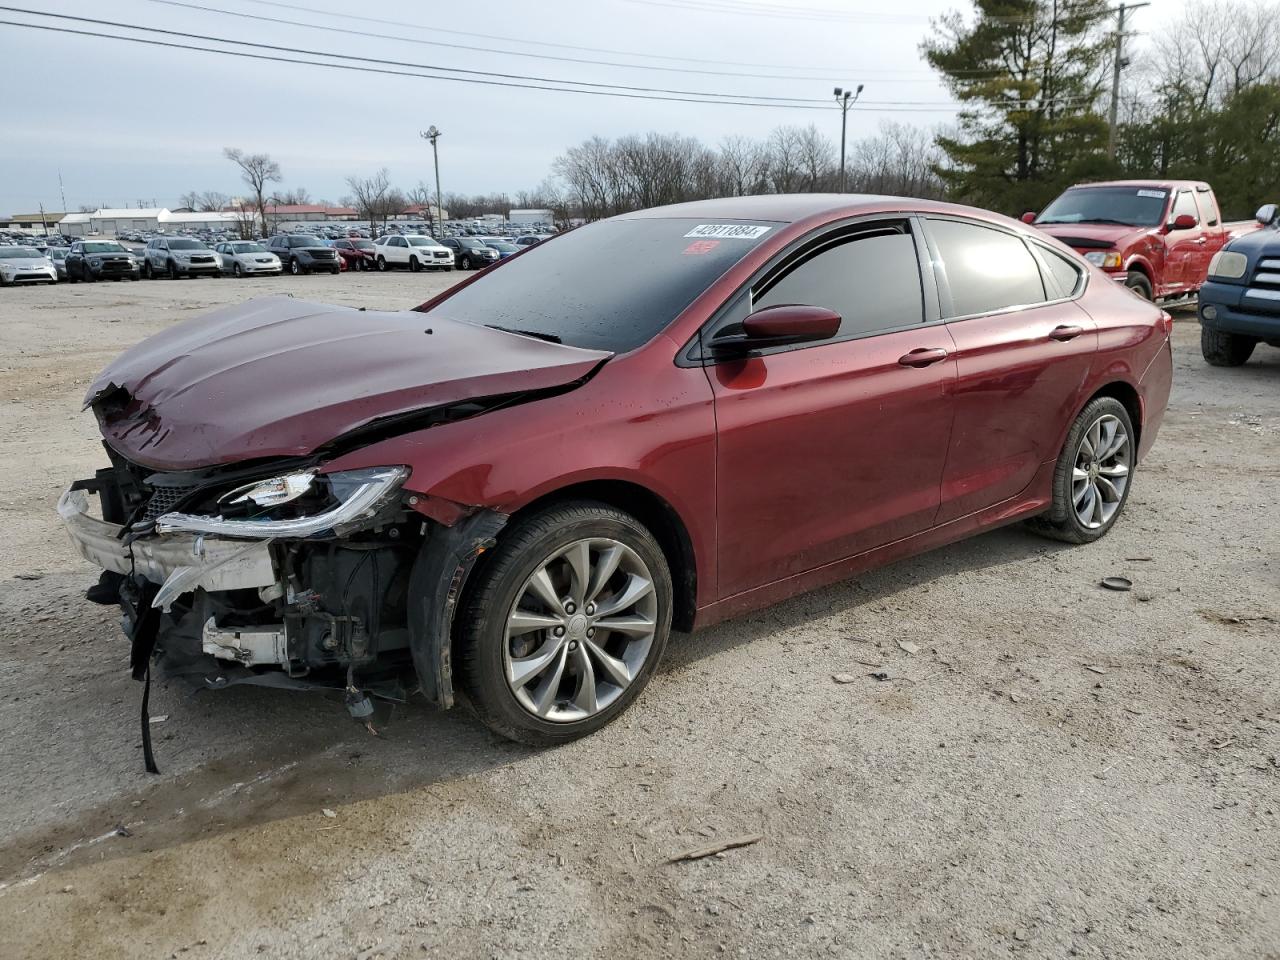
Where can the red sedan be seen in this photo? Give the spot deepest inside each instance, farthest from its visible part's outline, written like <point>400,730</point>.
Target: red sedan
<point>356,254</point>
<point>664,419</point>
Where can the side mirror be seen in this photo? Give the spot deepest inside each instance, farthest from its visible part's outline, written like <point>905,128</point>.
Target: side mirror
<point>1266,214</point>
<point>1183,221</point>
<point>1028,217</point>
<point>780,326</point>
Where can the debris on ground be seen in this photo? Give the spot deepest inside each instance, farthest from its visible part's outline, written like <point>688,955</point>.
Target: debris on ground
<point>907,646</point>
<point>844,677</point>
<point>328,813</point>
<point>1117,583</point>
<point>698,853</point>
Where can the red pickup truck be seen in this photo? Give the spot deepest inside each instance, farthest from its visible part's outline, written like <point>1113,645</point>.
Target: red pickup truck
<point>1154,236</point>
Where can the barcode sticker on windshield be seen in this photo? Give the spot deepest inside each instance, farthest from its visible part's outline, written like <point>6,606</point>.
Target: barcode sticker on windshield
<point>728,231</point>
<point>1157,194</point>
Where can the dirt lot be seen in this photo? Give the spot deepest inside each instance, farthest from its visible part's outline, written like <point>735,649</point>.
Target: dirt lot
<point>1057,770</point>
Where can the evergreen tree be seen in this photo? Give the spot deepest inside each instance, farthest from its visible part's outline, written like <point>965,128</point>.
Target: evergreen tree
<point>1031,74</point>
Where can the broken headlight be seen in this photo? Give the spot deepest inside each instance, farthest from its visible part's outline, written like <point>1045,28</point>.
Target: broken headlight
<point>303,504</point>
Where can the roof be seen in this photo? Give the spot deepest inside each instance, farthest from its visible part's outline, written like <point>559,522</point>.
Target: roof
<point>284,209</point>
<point>47,217</point>
<point>790,207</point>
<point>76,218</point>
<point>1152,184</point>
<point>207,216</point>
<point>149,213</point>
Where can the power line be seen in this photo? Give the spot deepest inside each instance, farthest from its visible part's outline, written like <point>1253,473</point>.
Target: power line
<point>632,92</point>
<point>798,13</point>
<point>186,35</point>
<point>348,31</point>
<point>244,54</point>
<point>569,46</point>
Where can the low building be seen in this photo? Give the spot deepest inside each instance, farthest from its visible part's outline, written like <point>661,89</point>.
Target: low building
<point>529,217</point>
<point>35,224</point>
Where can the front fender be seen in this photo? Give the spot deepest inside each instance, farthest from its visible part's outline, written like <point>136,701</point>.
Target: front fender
<point>435,586</point>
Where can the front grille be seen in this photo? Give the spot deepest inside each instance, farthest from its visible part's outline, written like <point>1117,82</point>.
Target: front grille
<point>324,254</point>
<point>1265,284</point>
<point>440,254</point>
<point>119,266</point>
<point>202,259</point>
<point>164,499</point>
<point>1087,243</point>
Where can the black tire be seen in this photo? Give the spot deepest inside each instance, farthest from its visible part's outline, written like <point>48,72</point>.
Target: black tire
<point>173,270</point>
<point>295,267</point>
<point>86,274</point>
<point>414,266</point>
<point>147,271</point>
<point>1222,349</point>
<point>382,263</point>
<point>480,627</point>
<point>464,263</point>
<point>236,271</point>
<point>1061,522</point>
<point>1139,284</point>
<point>447,269</point>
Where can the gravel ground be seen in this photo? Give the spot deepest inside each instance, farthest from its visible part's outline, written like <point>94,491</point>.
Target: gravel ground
<point>1050,770</point>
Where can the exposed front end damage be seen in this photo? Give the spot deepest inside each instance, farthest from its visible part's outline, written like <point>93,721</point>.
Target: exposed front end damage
<point>294,578</point>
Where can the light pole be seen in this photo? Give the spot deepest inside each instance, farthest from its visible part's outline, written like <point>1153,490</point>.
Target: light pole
<point>845,99</point>
<point>432,133</point>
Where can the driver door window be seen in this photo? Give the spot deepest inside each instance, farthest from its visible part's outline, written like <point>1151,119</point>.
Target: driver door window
<point>871,278</point>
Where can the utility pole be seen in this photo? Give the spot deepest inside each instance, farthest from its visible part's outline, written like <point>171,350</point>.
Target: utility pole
<point>1119,64</point>
<point>845,98</point>
<point>63,192</point>
<point>432,133</point>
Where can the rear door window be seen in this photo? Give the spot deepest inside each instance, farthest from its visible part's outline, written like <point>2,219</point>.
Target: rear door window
<point>987,270</point>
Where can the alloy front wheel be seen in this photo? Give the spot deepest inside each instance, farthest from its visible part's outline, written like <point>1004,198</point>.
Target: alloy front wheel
<point>580,630</point>
<point>563,622</point>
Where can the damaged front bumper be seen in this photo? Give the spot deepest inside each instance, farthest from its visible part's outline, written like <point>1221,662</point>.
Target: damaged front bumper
<point>204,562</point>
<point>357,596</point>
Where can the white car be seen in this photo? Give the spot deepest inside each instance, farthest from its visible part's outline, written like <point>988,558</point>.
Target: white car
<point>414,251</point>
<point>242,258</point>
<point>25,265</point>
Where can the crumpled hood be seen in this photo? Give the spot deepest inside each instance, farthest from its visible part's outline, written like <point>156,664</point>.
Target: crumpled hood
<point>279,377</point>
<point>1116,235</point>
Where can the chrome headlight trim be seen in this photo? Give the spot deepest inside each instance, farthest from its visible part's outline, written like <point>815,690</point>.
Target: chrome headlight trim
<point>362,494</point>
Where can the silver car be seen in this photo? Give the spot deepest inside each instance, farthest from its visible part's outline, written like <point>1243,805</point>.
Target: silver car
<point>59,257</point>
<point>242,258</point>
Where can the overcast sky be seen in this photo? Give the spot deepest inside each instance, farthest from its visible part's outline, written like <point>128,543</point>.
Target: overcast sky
<point>125,122</point>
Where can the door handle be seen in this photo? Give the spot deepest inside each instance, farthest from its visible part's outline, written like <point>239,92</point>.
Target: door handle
<point>922,356</point>
<point>1201,241</point>
<point>1065,332</point>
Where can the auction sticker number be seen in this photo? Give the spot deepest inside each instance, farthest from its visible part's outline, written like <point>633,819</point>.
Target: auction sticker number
<point>728,231</point>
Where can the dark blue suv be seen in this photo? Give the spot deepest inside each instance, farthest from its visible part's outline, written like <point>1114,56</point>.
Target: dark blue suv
<point>1240,302</point>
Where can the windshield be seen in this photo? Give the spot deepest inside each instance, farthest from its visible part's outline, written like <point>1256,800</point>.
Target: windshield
<point>1132,206</point>
<point>181,244</point>
<point>17,253</point>
<point>583,288</point>
<point>57,253</point>
<point>103,246</point>
<point>248,248</point>
<point>306,241</point>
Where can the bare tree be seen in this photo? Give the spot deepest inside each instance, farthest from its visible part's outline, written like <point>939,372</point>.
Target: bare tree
<point>374,199</point>
<point>204,201</point>
<point>298,196</point>
<point>257,170</point>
